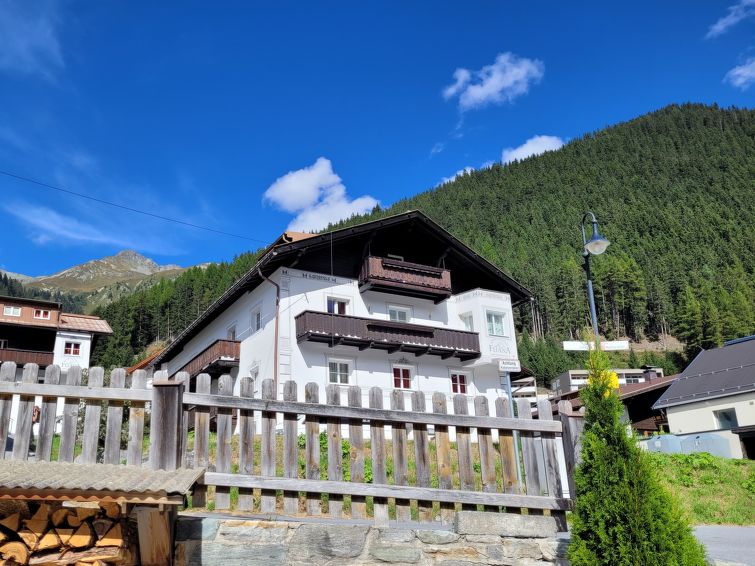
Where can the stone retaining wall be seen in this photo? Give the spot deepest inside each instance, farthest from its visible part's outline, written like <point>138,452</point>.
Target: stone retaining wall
<point>476,538</point>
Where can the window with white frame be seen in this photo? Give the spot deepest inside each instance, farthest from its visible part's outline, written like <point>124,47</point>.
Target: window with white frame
<point>337,305</point>
<point>467,321</point>
<point>9,310</point>
<point>256,320</point>
<point>726,419</point>
<point>72,349</point>
<point>403,377</point>
<point>339,371</point>
<point>496,322</point>
<point>398,313</point>
<point>459,382</point>
<point>43,314</point>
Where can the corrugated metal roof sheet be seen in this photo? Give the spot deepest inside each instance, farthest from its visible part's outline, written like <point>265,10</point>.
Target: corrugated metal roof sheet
<point>724,371</point>
<point>19,474</point>
<point>84,323</point>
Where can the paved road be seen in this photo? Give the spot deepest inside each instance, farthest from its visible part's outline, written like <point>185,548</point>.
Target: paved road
<point>730,544</point>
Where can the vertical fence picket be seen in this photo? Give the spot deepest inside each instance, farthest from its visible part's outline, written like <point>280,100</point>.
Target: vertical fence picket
<point>400,464</point>
<point>377,443</point>
<point>7,374</point>
<point>312,448</point>
<point>422,456</point>
<point>290,449</point>
<point>268,446</point>
<point>201,439</point>
<point>529,453</point>
<point>223,450</point>
<point>25,415</point>
<point>464,450</point>
<point>356,454</point>
<point>571,433</point>
<point>112,454</point>
<point>90,437</point>
<point>67,449</point>
<point>443,456</point>
<point>507,449</point>
<point>487,452</point>
<point>47,416</point>
<point>335,455</point>
<point>552,472</point>
<point>184,377</point>
<point>246,445</point>
<point>135,445</point>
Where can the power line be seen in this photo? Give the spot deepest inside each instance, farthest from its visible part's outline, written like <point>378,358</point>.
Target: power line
<point>128,208</point>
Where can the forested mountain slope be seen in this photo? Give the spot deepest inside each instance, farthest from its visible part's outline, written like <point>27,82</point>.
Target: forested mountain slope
<point>674,191</point>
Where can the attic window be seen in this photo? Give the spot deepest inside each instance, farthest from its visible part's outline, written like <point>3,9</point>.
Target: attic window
<point>43,314</point>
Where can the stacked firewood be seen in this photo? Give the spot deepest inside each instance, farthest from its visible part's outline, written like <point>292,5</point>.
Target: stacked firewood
<point>51,534</point>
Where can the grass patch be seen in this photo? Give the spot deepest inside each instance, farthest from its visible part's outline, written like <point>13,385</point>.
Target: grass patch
<point>711,490</point>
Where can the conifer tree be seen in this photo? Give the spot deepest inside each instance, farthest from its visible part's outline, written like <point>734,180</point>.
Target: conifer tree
<point>623,516</point>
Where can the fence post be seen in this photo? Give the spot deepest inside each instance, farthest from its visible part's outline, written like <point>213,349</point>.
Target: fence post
<point>572,430</point>
<point>167,422</point>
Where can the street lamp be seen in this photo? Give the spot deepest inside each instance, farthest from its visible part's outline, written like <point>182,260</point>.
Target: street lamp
<point>596,245</point>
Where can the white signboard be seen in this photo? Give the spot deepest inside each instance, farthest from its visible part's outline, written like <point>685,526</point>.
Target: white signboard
<point>606,345</point>
<point>510,365</point>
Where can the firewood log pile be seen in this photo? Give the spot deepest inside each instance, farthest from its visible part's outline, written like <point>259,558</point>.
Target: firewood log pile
<point>50,534</point>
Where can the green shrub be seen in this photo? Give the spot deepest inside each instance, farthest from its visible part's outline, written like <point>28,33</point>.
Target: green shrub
<point>623,516</point>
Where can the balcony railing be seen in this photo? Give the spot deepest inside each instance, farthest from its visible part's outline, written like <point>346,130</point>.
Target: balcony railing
<point>221,354</point>
<point>21,357</point>
<point>335,329</point>
<point>405,278</point>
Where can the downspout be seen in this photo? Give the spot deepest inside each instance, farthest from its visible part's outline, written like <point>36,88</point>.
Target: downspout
<point>277,318</point>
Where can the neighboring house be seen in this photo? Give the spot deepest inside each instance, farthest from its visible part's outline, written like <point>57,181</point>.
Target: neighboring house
<point>575,379</point>
<point>715,394</point>
<point>394,303</point>
<point>37,331</point>
<point>638,399</point>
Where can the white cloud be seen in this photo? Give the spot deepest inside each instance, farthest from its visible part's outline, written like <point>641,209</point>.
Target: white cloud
<point>533,146</point>
<point>468,169</point>
<point>316,195</point>
<point>47,225</point>
<point>29,41</point>
<point>743,75</point>
<point>508,77</point>
<point>740,11</point>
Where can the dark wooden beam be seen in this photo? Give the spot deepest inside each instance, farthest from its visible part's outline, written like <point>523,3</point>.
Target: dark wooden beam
<point>422,352</point>
<point>366,345</point>
<point>448,354</point>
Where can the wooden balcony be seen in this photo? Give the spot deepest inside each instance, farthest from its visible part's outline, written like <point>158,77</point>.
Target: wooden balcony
<point>337,329</point>
<point>21,357</point>
<point>405,278</point>
<point>217,357</point>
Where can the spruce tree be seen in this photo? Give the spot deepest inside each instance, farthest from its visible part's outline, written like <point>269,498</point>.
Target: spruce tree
<point>623,516</point>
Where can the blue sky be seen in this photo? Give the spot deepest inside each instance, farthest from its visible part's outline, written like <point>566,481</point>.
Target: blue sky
<point>254,118</point>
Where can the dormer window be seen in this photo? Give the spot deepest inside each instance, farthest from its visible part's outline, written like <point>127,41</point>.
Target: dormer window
<point>42,314</point>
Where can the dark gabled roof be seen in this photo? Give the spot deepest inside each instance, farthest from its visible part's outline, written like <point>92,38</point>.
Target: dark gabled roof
<point>721,372</point>
<point>629,390</point>
<point>411,234</point>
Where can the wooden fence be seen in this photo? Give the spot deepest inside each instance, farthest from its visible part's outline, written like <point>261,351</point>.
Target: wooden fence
<point>342,464</point>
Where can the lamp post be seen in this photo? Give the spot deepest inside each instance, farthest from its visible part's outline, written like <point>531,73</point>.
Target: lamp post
<point>596,245</point>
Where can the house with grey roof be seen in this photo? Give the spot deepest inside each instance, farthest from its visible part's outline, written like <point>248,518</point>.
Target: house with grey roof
<point>716,394</point>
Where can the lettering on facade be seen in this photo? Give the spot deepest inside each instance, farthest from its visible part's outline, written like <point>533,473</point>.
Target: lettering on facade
<point>310,275</point>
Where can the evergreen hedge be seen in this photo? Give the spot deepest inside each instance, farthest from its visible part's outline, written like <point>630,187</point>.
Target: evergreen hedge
<point>623,516</point>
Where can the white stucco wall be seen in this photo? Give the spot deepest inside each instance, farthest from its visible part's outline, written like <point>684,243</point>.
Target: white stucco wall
<point>65,361</point>
<point>699,417</point>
